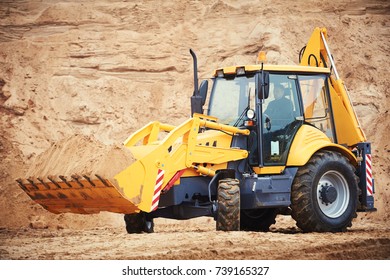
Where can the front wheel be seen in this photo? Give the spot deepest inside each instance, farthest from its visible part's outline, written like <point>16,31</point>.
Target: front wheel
<point>258,219</point>
<point>228,213</point>
<point>324,193</point>
<point>138,223</point>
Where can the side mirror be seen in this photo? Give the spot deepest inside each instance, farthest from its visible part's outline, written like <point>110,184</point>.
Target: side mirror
<point>263,85</point>
<point>204,85</point>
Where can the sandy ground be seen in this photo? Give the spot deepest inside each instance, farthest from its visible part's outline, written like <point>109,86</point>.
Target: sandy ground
<point>197,239</point>
<point>106,68</point>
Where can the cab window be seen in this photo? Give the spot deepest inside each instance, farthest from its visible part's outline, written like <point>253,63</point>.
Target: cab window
<point>315,102</point>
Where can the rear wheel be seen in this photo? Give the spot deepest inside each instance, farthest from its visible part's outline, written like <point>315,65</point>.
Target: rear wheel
<point>138,223</point>
<point>228,214</point>
<point>258,219</point>
<point>324,194</point>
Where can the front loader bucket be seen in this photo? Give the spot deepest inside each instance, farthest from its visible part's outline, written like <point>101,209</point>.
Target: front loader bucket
<point>80,194</point>
<point>76,175</point>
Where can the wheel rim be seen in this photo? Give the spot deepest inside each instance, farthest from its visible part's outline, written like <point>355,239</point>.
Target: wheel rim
<point>333,194</point>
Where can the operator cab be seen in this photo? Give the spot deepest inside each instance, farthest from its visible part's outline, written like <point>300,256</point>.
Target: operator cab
<point>272,103</point>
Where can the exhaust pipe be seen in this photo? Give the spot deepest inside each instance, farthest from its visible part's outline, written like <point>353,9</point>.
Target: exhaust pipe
<point>196,99</point>
<point>196,90</point>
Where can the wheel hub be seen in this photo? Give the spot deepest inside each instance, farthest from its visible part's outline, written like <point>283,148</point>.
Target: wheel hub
<point>328,194</point>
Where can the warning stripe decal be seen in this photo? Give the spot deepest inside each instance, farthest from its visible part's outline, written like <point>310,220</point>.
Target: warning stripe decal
<point>369,175</point>
<point>157,189</point>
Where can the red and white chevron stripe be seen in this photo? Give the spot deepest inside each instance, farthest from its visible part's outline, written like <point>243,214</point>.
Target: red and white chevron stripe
<point>369,175</point>
<point>157,189</point>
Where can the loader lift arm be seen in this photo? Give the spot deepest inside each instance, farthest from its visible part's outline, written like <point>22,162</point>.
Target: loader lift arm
<point>179,150</point>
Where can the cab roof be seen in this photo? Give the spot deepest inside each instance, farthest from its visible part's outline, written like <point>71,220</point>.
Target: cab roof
<point>268,67</point>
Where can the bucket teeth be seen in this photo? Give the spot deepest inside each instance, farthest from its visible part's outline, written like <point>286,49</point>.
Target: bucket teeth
<point>63,178</point>
<point>43,183</point>
<point>20,182</point>
<point>89,180</point>
<point>62,182</point>
<point>52,179</point>
<point>77,178</point>
<point>30,180</point>
<point>102,180</point>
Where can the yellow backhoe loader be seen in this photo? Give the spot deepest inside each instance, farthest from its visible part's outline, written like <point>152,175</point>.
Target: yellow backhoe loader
<point>271,140</point>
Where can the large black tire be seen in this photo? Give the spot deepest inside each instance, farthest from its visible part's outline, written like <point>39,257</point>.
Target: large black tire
<point>138,223</point>
<point>324,194</point>
<point>228,214</point>
<point>258,219</point>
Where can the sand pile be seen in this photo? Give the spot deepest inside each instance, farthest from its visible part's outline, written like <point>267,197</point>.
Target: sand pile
<point>81,155</point>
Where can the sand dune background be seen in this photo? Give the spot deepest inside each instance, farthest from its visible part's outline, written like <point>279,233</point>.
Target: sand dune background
<point>106,68</point>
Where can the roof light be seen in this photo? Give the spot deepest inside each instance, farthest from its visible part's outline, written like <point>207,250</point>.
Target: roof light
<point>240,71</point>
<point>220,73</point>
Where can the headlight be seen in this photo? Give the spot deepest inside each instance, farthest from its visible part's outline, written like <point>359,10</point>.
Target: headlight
<point>250,114</point>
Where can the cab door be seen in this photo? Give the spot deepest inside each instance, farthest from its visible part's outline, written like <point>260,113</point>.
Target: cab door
<point>280,119</point>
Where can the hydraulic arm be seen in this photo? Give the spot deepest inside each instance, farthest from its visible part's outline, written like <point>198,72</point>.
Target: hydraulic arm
<point>317,54</point>
<point>158,165</point>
